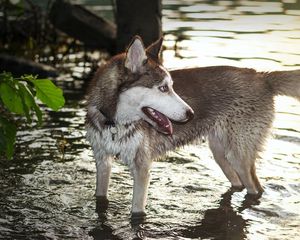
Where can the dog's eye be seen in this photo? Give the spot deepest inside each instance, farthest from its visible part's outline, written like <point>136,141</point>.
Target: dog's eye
<point>164,88</point>
<point>145,61</point>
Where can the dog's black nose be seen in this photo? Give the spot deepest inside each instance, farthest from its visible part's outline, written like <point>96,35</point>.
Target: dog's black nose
<point>189,114</point>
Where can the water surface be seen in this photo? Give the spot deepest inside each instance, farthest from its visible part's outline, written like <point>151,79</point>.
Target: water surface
<point>47,192</point>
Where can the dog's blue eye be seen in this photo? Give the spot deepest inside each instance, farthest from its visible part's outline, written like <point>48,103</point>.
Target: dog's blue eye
<point>164,88</point>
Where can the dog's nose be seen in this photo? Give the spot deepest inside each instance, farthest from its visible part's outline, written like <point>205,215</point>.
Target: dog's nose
<point>189,114</point>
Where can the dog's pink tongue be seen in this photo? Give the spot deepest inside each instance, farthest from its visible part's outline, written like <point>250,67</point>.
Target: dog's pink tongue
<point>164,124</point>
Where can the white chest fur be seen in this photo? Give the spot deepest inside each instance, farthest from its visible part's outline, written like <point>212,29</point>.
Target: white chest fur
<point>122,141</point>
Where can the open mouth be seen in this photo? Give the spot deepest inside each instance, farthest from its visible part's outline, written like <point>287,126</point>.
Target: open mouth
<point>164,124</point>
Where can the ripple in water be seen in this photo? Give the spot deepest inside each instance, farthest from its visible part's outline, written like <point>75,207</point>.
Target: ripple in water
<point>47,192</point>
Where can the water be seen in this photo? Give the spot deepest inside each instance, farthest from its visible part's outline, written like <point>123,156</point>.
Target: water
<point>47,191</point>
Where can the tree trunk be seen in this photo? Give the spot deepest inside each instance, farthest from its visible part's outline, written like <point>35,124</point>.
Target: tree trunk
<point>138,17</point>
<point>78,22</point>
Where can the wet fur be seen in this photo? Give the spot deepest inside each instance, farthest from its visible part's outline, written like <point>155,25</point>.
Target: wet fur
<point>233,107</point>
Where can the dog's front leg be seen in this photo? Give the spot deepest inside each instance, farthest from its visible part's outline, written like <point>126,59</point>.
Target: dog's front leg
<point>141,177</point>
<point>103,165</point>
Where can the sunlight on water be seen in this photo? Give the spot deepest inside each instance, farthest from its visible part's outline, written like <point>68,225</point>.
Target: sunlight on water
<point>48,192</point>
<point>264,42</point>
<point>241,36</point>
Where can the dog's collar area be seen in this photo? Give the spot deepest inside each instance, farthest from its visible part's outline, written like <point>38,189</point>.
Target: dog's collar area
<point>108,122</point>
<point>111,123</point>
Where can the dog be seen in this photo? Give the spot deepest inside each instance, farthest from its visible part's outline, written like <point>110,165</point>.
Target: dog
<point>138,111</point>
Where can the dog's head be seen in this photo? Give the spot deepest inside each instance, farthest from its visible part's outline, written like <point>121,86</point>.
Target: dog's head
<point>138,87</point>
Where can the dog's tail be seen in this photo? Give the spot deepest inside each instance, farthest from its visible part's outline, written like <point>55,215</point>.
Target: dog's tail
<point>285,83</point>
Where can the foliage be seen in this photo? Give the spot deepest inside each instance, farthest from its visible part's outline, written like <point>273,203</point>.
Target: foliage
<point>19,96</point>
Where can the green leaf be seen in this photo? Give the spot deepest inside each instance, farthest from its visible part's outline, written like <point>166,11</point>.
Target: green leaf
<point>29,101</point>
<point>26,101</point>
<point>11,98</point>
<point>11,132</point>
<point>8,132</point>
<point>6,77</point>
<point>38,113</point>
<point>48,93</point>
<point>2,140</point>
<point>36,108</point>
<point>19,95</point>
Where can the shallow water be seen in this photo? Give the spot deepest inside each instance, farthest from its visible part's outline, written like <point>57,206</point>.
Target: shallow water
<point>47,191</point>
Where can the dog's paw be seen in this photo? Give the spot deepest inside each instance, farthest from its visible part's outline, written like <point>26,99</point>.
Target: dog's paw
<point>237,188</point>
<point>101,204</point>
<point>137,218</point>
<point>254,196</point>
<point>138,215</point>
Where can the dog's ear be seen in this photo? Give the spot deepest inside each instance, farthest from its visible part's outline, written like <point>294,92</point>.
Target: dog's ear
<point>154,49</point>
<point>135,55</point>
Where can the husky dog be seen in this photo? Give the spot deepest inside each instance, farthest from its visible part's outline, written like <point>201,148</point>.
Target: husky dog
<point>133,101</point>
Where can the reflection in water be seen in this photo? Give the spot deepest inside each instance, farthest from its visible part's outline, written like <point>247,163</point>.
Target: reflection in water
<point>221,223</point>
<point>47,196</point>
<point>259,34</point>
<point>103,232</point>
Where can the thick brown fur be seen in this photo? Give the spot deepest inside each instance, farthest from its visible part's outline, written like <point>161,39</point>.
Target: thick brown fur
<point>233,107</point>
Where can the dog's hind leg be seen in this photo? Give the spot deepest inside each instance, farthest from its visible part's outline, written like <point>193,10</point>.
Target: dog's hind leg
<point>255,179</point>
<point>245,169</point>
<point>217,148</point>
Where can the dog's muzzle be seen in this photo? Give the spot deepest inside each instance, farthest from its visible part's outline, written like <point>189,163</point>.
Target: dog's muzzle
<point>190,115</point>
